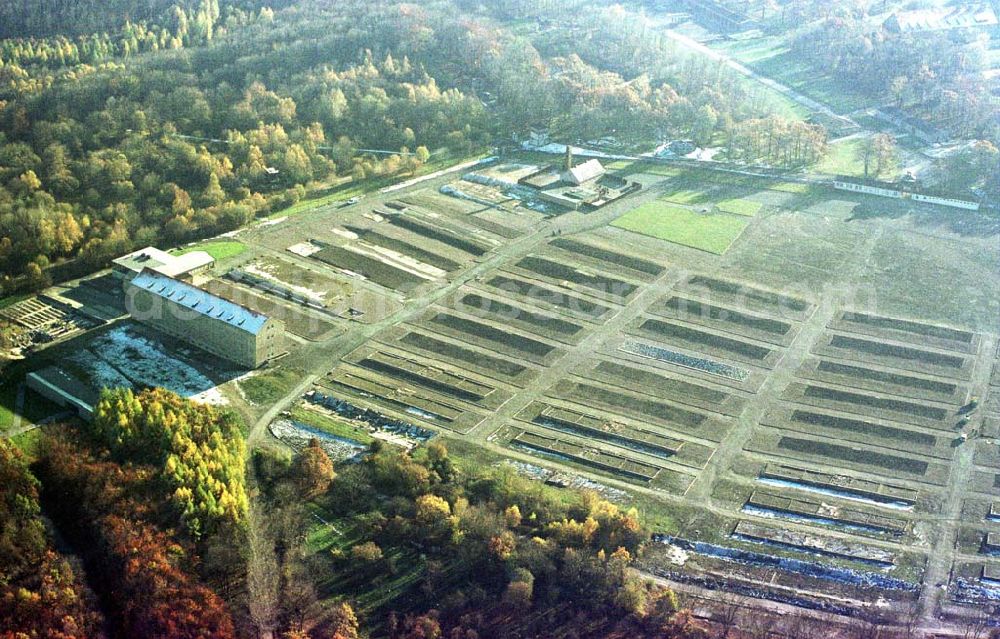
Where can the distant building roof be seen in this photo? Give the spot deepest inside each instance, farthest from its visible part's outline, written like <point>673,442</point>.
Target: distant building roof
<point>163,262</point>
<point>148,257</point>
<point>67,388</point>
<point>589,170</point>
<point>200,301</point>
<point>186,263</point>
<point>960,17</point>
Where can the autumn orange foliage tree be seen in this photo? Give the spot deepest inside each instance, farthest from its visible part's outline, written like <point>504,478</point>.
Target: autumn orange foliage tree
<point>101,505</point>
<point>40,596</point>
<point>315,469</point>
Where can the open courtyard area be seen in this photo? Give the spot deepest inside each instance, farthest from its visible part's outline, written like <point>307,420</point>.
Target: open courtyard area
<point>812,418</point>
<point>792,383</point>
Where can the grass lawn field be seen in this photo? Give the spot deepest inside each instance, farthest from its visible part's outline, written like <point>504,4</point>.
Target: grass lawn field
<point>790,187</point>
<point>220,249</point>
<point>843,158</point>
<point>706,232</point>
<point>739,207</point>
<point>770,56</point>
<point>629,167</point>
<point>331,425</point>
<point>8,394</point>
<point>266,388</point>
<point>687,196</point>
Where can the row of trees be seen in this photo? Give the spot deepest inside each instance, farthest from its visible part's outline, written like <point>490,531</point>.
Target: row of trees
<point>24,19</point>
<point>777,142</point>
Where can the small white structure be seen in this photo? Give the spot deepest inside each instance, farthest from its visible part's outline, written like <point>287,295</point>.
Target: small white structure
<point>184,266</point>
<point>581,173</point>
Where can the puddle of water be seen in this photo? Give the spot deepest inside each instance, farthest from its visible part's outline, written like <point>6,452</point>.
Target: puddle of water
<point>810,551</point>
<point>796,566</point>
<point>833,492</point>
<point>805,519</point>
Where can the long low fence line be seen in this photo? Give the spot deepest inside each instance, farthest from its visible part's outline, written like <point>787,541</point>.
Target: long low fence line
<point>840,183</point>
<point>901,192</point>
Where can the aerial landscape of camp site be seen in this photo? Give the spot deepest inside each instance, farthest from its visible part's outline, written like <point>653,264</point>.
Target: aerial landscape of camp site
<point>660,319</point>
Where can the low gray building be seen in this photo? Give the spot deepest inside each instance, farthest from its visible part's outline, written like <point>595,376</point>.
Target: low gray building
<point>203,320</point>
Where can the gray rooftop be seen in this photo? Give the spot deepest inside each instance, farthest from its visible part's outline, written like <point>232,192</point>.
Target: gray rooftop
<point>200,301</point>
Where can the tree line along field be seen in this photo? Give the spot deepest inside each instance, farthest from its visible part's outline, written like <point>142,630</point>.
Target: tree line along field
<point>742,433</point>
<point>641,373</point>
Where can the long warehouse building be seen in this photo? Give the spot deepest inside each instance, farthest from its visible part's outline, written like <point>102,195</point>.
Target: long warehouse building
<point>203,320</point>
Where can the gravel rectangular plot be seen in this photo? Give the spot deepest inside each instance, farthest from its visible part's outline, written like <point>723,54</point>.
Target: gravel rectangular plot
<point>680,359</point>
<point>882,403</point>
<point>915,328</point>
<point>483,332</point>
<point>855,455</point>
<point>563,272</point>
<point>649,408</point>
<point>863,428</point>
<point>725,319</point>
<point>697,338</point>
<point>457,353</point>
<point>737,291</point>
<point>476,304</point>
<point>548,295</point>
<point>628,261</point>
<point>895,351</point>
<point>371,268</point>
<point>435,233</point>
<point>700,309</point>
<point>817,511</point>
<point>399,372</point>
<point>400,246</point>
<point>836,483</point>
<point>602,460</point>
<point>658,385</point>
<point>423,407</point>
<point>801,542</point>
<point>885,377</point>
<point>641,441</point>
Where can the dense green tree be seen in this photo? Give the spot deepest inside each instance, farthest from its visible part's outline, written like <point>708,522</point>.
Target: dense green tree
<point>199,450</point>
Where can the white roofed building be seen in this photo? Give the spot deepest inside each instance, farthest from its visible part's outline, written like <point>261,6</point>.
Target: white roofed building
<point>178,266</point>
<point>581,173</point>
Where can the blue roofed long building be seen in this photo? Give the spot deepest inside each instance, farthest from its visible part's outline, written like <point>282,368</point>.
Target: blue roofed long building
<point>203,320</point>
